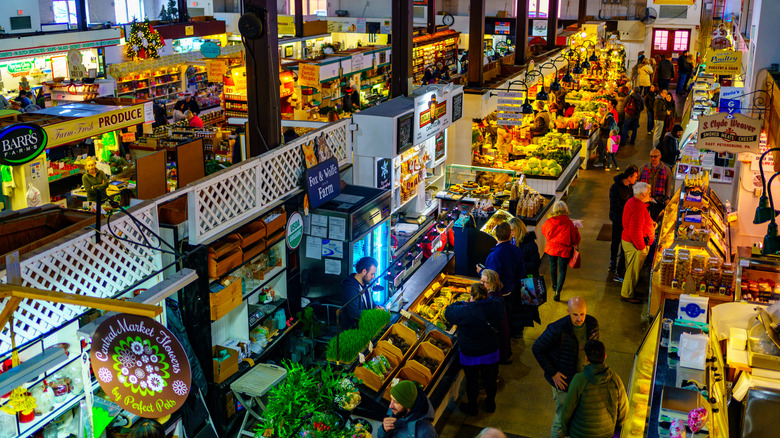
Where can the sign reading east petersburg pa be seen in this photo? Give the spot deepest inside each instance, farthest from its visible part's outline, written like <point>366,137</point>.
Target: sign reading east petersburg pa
<point>140,365</point>
<point>723,133</point>
<point>21,143</point>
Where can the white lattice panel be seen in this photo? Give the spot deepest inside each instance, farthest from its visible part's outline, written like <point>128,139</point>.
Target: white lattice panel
<point>280,173</point>
<point>82,267</point>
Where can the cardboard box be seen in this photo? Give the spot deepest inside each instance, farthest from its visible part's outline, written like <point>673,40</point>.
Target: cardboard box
<point>315,27</point>
<point>225,368</point>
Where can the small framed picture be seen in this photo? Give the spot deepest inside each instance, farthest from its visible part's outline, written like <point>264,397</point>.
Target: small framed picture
<point>682,168</point>
<point>289,51</point>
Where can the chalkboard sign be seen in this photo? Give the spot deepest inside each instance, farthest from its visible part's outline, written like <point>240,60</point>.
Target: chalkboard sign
<point>384,173</point>
<point>457,107</point>
<point>405,132</point>
<point>323,182</point>
<point>21,143</point>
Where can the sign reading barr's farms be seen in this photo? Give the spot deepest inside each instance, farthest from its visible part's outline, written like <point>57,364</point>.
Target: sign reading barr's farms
<point>432,114</point>
<point>723,62</point>
<point>323,182</point>
<point>724,133</point>
<point>76,129</point>
<point>21,143</point>
<point>140,365</point>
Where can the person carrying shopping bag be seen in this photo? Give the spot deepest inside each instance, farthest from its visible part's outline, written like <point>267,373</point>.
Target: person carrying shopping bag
<point>563,239</point>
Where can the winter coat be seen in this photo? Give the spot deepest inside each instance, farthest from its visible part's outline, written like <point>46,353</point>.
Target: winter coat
<point>350,287</point>
<point>644,75</point>
<point>417,423</point>
<point>531,259</point>
<point>665,69</point>
<point>619,194</point>
<point>638,103</point>
<point>506,259</point>
<point>670,149</point>
<point>659,108</point>
<point>650,101</point>
<point>557,348</point>
<point>596,404</point>
<point>541,123</point>
<point>683,67</point>
<point>562,236</point>
<point>478,323</point>
<point>637,224</point>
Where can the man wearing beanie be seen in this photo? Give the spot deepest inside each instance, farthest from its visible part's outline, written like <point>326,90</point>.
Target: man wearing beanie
<point>410,415</point>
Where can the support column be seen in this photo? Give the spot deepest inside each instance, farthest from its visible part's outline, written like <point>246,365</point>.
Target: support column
<point>298,18</point>
<point>182,5</point>
<point>264,130</point>
<point>552,23</point>
<point>582,11</point>
<point>476,42</point>
<point>521,32</point>
<point>81,15</point>
<point>401,56</point>
<point>431,16</point>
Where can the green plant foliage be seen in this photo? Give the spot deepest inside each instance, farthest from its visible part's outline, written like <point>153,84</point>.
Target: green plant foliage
<point>373,320</point>
<point>353,341</point>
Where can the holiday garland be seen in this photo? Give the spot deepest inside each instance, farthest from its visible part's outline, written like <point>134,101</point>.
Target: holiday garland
<point>143,41</point>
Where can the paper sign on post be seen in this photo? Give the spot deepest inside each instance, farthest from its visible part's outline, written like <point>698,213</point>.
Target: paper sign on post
<point>309,75</point>
<point>215,70</point>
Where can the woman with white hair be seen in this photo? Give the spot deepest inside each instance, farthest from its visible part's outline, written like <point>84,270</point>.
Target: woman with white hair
<point>562,238</point>
<point>638,235</point>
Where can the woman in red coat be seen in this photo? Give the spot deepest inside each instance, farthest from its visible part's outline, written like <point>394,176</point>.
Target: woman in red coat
<point>638,235</point>
<point>562,238</point>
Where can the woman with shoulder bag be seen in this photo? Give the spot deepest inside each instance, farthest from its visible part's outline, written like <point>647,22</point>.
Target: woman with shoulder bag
<point>524,315</point>
<point>563,239</point>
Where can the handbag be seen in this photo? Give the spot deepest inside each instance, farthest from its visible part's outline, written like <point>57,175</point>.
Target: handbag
<point>533,291</point>
<point>575,261</point>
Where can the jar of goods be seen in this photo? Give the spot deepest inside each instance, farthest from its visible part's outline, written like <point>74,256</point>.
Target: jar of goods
<point>60,386</point>
<point>712,276</point>
<point>727,276</point>
<point>667,271</point>
<point>699,261</point>
<point>682,267</point>
<point>44,399</point>
<point>697,276</point>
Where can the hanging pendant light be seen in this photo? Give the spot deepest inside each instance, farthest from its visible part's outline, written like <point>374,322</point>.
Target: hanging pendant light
<point>577,70</point>
<point>542,95</point>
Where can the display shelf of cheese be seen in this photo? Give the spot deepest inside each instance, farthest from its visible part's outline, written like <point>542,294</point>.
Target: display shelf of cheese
<point>758,280</point>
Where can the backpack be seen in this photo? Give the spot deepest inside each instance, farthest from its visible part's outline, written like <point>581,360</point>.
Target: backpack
<point>632,109</point>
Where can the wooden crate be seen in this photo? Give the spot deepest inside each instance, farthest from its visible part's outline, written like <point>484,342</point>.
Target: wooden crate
<point>251,233</point>
<point>223,257</point>
<point>412,373</point>
<point>407,334</point>
<point>370,379</point>
<point>254,250</point>
<point>439,336</point>
<point>277,223</point>
<point>426,349</point>
<point>222,302</point>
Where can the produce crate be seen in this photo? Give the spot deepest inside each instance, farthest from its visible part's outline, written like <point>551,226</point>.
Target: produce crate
<point>224,256</point>
<point>372,380</point>
<point>407,334</point>
<point>408,372</point>
<point>440,337</point>
<point>272,226</point>
<point>251,233</point>
<point>254,250</point>
<point>426,350</point>
<point>224,301</point>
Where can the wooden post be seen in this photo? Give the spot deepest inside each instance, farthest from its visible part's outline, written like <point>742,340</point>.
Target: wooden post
<point>81,15</point>
<point>299,19</point>
<point>552,23</point>
<point>582,11</point>
<point>431,16</point>
<point>401,60</point>
<point>521,32</point>
<point>476,42</point>
<point>262,81</point>
<point>182,5</point>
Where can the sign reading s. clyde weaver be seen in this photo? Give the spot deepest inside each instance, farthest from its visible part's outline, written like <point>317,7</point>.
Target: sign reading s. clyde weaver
<point>722,132</point>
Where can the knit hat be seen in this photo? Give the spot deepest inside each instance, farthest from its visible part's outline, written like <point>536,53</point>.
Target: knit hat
<point>405,393</point>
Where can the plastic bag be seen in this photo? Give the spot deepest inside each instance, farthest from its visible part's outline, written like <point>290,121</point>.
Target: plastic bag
<point>33,196</point>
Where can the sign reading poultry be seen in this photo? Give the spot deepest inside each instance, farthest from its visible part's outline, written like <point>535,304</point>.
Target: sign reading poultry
<point>736,133</point>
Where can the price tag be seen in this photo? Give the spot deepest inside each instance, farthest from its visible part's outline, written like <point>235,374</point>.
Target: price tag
<point>370,346</point>
<point>405,313</point>
<point>362,357</point>
<point>745,263</point>
<point>452,330</point>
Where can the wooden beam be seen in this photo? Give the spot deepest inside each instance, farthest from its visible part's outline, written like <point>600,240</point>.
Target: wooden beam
<point>431,16</point>
<point>402,40</point>
<point>476,42</point>
<point>521,32</point>
<point>582,11</point>
<point>552,23</point>
<point>8,310</point>
<point>109,304</point>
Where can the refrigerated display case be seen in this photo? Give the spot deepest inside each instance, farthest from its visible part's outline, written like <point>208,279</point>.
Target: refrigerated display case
<point>375,244</point>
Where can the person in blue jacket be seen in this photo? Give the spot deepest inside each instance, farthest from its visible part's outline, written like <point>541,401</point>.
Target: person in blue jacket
<point>410,415</point>
<point>353,285</point>
<point>505,258</point>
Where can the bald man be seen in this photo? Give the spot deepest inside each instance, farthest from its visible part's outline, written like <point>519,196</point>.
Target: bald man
<point>491,432</point>
<point>560,352</point>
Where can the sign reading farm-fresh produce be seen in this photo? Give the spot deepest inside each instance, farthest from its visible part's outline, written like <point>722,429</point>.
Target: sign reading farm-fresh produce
<point>140,365</point>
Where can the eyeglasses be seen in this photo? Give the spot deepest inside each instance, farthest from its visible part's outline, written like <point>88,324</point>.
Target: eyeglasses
<point>655,156</point>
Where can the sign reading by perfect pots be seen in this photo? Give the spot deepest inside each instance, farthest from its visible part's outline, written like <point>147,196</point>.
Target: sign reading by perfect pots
<point>432,114</point>
<point>736,133</point>
<point>323,182</point>
<point>294,230</point>
<point>723,62</point>
<point>21,143</point>
<point>140,365</point>
<point>77,129</point>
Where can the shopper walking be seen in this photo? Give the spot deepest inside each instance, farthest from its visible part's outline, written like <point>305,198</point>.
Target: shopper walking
<point>670,146</point>
<point>607,123</point>
<point>661,180</point>
<point>638,235</point>
<point>524,315</point>
<point>620,192</point>
<point>613,144</point>
<point>596,405</point>
<point>490,279</point>
<point>671,112</point>
<point>353,297</point>
<point>650,106</point>
<point>633,108</point>
<point>659,115</point>
<point>560,352</point>
<point>562,239</point>
<point>644,76</point>
<point>477,322</point>
<point>665,72</point>
<point>410,415</point>
<point>505,258</point>
<point>683,72</point>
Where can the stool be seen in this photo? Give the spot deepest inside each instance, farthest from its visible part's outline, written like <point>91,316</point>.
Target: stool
<point>251,387</point>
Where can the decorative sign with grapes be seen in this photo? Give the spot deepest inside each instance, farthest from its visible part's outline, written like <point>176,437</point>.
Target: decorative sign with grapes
<point>141,365</point>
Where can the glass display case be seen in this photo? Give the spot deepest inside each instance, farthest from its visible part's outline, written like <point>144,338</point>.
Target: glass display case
<point>461,176</point>
<point>641,382</point>
<point>758,280</point>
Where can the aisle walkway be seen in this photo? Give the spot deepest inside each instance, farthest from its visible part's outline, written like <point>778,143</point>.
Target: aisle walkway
<point>524,405</point>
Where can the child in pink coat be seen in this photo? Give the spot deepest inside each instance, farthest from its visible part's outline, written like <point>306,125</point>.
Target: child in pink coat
<point>612,147</point>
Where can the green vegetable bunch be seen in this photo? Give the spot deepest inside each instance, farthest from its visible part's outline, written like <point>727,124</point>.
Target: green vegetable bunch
<point>353,341</point>
<point>379,366</point>
<point>373,320</point>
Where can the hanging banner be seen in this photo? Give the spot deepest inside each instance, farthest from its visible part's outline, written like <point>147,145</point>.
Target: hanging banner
<point>286,24</point>
<point>77,129</point>
<point>723,62</point>
<point>432,114</point>
<point>309,75</point>
<point>140,365</point>
<point>216,70</point>
<point>724,133</point>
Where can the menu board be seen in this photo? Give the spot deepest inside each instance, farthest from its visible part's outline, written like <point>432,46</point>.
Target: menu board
<point>404,132</point>
<point>457,107</point>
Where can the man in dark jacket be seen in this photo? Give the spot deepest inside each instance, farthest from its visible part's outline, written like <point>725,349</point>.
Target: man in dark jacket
<point>353,286</point>
<point>560,352</point>
<point>670,146</point>
<point>619,194</point>
<point>683,72</point>
<point>650,106</point>
<point>665,72</point>
<point>659,114</point>
<point>595,405</point>
<point>632,109</point>
<point>505,258</point>
<point>411,413</point>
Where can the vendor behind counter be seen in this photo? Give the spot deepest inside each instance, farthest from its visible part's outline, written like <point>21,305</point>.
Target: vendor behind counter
<point>541,121</point>
<point>354,297</point>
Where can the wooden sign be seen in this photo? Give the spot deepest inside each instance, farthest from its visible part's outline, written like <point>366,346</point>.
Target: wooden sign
<point>722,132</point>
<point>309,75</point>
<point>215,70</point>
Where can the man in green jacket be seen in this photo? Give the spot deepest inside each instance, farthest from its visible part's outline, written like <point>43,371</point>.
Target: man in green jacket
<point>595,405</point>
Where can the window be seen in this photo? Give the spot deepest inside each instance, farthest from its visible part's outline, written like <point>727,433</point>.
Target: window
<point>310,7</point>
<point>661,40</point>
<point>127,10</point>
<point>64,11</point>
<point>540,8</point>
<point>680,41</point>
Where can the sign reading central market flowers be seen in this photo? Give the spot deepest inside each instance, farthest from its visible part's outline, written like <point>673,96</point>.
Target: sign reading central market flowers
<point>140,365</point>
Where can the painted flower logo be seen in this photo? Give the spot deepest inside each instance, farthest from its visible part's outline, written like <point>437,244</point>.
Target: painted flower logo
<point>179,388</point>
<point>136,374</point>
<point>105,375</point>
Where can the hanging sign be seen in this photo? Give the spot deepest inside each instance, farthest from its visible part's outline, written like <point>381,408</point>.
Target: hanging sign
<point>432,114</point>
<point>21,143</point>
<point>309,75</point>
<point>20,67</point>
<point>509,108</point>
<point>210,49</point>
<point>294,233</point>
<point>457,107</point>
<point>730,100</point>
<point>215,70</point>
<point>140,365</point>
<point>724,133</point>
<point>322,182</point>
<point>723,62</point>
<point>286,24</point>
<point>77,129</point>
<point>383,173</point>
<point>540,28</point>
